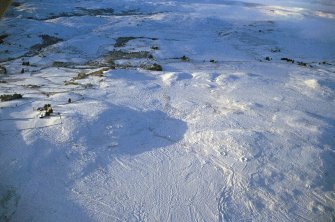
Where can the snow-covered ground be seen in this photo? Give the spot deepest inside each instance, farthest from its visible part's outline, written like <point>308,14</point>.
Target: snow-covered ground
<point>227,131</point>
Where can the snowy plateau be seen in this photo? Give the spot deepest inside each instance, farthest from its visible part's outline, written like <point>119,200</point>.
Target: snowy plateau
<point>179,110</point>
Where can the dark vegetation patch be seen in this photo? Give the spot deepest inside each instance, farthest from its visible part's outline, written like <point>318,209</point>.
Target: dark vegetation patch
<point>3,81</point>
<point>47,40</point>
<point>32,86</point>
<point>302,64</point>
<point>16,4</point>
<point>66,82</point>
<point>212,61</point>
<point>26,63</point>
<point>3,70</point>
<point>324,63</point>
<point>262,23</point>
<point>8,204</point>
<point>46,110</point>
<point>71,65</point>
<point>9,97</point>
<point>79,11</point>
<point>95,12</point>
<point>2,37</point>
<point>82,75</point>
<point>122,41</point>
<point>62,64</point>
<point>268,58</point>
<point>154,47</point>
<point>131,12</point>
<point>185,58</point>
<point>152,67</point>
<point>275,50</point>
<point>117,55</point>
<point>287,60</point>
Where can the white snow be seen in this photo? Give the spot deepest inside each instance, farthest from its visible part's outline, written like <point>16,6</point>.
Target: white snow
<point>221,135</point>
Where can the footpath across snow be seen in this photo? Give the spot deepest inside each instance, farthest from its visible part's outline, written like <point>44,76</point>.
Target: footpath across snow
<point>167,111</point>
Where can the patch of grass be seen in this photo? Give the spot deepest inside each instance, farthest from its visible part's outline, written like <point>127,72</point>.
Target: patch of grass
<point>2,37</point>
<point>185,58</point>
<point>287,60</point>
<point>8,204</point>
<point>3,70</point>
<point>88,86</point>
<point>31,86</point>
<point>302,64</point>
<point>83,75</point>
<point>9,97</point>
<point>152,67</point>
<point>70,83</point>
<point>99,72</point>
<point>117,55</point>
<point>275,50</point>
<point>62,64</point>
<point>47,40</point>
<point>122,41</point>
<point>324,63</point>
<point>16,4</point>
<point>46,110</point>
<point>95,12</point>
<point>80,12</point>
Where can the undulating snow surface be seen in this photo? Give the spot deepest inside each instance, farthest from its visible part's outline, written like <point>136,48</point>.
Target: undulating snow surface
<point>228,131</point>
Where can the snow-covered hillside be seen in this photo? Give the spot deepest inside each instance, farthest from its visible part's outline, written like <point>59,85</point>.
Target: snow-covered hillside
<point>183,110</point>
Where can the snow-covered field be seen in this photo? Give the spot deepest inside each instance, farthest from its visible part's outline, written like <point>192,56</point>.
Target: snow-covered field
<point>229,130</point>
